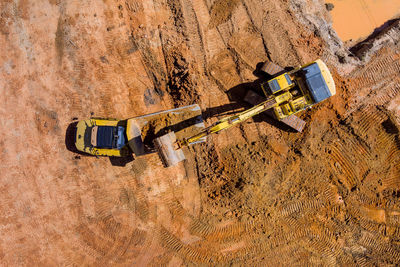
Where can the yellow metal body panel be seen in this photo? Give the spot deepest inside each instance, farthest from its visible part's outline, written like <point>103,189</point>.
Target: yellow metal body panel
<point>283,97</point>
<point>80,134</point>
<point>106,152</point>
<point>105,122</point>
<point>287,110</point>
<point>299,103</point>
<point>83,138</point>
<point>292,106</point>
<point>282,82</point>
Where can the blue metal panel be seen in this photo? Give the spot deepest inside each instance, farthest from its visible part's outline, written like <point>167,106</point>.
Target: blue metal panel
<point>105,135</point>
<point>289,81</point>
<point>274,86</point>
<point>316,83</point>
<point>121,137</point>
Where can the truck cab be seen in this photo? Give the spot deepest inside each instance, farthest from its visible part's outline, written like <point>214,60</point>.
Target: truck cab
<point>102,137</point>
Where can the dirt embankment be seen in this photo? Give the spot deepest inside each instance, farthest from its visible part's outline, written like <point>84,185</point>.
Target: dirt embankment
<point>257,194</point>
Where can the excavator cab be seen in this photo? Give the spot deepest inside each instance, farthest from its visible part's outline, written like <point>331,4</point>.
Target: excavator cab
<point>102,137</point>
<point>279,83</point>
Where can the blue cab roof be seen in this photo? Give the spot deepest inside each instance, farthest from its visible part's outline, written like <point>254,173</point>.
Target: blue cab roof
<point>110,137</point>
<point>316,83</point>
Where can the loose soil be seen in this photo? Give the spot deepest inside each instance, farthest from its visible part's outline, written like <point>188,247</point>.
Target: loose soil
<point>184,123</point>
<point>256,194</point>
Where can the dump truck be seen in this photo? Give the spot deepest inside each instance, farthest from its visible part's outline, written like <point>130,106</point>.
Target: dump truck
<point>285,95</point>
<point>120,138</point>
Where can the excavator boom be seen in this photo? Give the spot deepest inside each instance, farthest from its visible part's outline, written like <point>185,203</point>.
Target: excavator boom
<point>231,121</point>
<point>170,149</point>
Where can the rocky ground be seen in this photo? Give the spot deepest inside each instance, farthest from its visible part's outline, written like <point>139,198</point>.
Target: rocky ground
<point>257,194</point>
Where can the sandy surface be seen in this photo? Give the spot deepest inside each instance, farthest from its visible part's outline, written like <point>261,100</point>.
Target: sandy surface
<point>356,19</point>
<point>257,194</point>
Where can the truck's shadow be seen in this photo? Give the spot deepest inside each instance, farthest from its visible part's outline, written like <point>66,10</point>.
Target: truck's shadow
<point>121,161</point>
<point>70,136</point>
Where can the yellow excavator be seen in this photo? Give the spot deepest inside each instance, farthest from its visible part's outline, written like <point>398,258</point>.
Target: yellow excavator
<point>285,95</point>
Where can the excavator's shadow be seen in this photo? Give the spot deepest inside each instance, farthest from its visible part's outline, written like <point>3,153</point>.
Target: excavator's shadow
<point>236,95</point>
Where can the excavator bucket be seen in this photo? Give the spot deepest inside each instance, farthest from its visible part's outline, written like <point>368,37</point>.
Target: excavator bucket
<point>165,148</point>
<point>271,68</point>
<point>157,132</point>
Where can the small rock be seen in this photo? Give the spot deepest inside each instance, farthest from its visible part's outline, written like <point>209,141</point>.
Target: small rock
<point>329,6</point>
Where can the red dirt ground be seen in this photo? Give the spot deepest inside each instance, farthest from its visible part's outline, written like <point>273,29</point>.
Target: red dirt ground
<point>258,194</point>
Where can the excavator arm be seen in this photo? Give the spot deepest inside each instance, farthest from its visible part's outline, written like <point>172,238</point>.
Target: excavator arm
<point>170,149</point>
<point>231,121</point>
